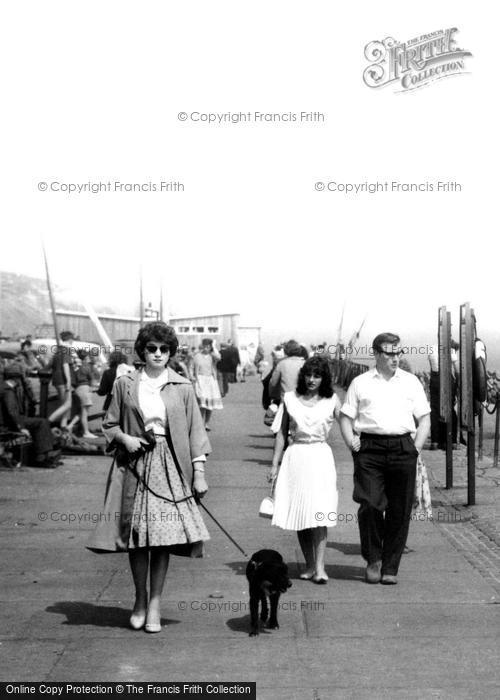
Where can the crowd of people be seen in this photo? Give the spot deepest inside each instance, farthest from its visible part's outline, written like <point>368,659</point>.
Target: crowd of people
<point>156,423</point>
<point>75,376</point>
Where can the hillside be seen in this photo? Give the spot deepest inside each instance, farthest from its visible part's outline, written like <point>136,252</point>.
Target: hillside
<point>25,306</point>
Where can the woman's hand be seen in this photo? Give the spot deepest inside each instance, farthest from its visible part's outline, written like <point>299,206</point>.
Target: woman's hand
<point>273,473</point>
<point>200,486</point>
<point>133,444</point>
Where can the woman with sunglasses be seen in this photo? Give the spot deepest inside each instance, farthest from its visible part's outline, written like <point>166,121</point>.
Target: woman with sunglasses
<point>154,425</point>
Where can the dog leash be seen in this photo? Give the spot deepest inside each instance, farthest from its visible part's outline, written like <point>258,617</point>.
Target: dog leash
<point>223,529</point>
<point>197,500</point>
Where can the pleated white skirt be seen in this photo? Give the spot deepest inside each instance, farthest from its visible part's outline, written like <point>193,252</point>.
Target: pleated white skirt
<point>305,494</point>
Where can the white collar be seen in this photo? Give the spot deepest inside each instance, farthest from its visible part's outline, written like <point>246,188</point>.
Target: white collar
<point>396,375</point>
<point>158,381</point>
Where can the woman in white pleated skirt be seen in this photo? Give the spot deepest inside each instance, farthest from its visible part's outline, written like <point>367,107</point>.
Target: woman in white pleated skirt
<point>305,493</point>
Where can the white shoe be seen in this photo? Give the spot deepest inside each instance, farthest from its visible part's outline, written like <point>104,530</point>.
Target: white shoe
<point>89,436</point>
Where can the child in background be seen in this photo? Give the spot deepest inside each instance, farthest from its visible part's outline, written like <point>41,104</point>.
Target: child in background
<point>83,382</point>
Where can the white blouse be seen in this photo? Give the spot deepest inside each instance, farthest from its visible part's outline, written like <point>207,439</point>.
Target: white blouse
<point>152,405</point>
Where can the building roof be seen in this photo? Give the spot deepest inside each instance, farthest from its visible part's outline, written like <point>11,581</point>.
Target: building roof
<point>111,317</point>
<point>178,317</point>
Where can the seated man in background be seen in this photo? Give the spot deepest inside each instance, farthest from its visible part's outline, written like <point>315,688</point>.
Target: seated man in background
<point>15,418</point>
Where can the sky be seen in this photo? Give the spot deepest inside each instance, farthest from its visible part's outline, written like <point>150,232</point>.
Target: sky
<point>94,92</point>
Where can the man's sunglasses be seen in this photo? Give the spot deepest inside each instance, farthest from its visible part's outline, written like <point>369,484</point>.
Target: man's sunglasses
<point>398,353</point>
<point>153,348</point>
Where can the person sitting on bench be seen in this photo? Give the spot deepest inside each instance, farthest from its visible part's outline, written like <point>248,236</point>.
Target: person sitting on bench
<point>14,418</point>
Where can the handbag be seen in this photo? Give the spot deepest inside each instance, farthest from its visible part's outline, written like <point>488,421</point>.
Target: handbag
<point>422,503</point>
<point>266,508</point>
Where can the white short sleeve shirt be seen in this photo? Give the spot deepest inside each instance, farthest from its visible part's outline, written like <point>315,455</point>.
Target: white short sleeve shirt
<point>385,407</point>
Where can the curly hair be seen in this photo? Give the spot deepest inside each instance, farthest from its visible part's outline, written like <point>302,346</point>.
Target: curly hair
<point>159,331</point>
<point>320,367</point>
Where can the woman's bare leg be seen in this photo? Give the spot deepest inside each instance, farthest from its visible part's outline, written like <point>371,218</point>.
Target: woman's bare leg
<point>306,545</point>
<point>84,412</point>
<point>64,409</point>
<point>319,545</point>
<point>158,571</point>
<point>139,564</point>
<point>208,413</point>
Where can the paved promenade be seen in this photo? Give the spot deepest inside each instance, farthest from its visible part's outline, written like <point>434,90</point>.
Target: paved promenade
<point>64,610</point>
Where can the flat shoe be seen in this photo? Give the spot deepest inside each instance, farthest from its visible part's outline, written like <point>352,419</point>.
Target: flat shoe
<point>373,572</point>
<point>319,579</point>
<point>152,627</point>
<point>388,580</point>
<point>306,577</point>
<point>137,620</point>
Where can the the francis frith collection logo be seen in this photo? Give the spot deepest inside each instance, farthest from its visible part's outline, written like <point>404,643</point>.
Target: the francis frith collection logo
<point>415,63</point>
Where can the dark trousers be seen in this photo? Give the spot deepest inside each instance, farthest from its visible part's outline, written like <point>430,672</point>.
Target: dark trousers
<point>384,486</point>
<point>223,379</point>
<point>41,434</point>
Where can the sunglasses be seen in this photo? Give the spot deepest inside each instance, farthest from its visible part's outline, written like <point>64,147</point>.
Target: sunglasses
<point>398,353</point>
<point>153,348</point>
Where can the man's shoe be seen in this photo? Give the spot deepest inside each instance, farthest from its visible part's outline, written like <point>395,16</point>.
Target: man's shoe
<point>373,572</point>
<point>389,580</point>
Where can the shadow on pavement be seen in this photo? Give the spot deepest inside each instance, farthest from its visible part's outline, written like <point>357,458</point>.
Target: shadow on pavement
<point>348,548</point>
<point>82,613</point>
<point>242,624</point>
<point>254,446</point>
<point>345,573</point>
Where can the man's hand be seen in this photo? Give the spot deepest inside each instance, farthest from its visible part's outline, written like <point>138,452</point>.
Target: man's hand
<point>355,443</point>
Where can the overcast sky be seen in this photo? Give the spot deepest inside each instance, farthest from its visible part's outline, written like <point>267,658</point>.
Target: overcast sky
<point>93,92</point>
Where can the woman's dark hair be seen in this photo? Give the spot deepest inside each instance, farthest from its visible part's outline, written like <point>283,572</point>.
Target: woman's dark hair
<point>117,358</point>
<point>156,330</point>
<point>321,367</point>
<point>292,349</point>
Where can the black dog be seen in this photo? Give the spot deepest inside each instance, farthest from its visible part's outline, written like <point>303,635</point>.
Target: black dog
<point>267,576</point>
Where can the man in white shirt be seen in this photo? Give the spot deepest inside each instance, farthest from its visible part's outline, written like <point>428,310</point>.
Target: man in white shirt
<point>384,421</point>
